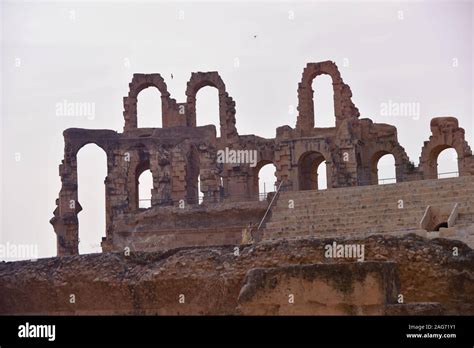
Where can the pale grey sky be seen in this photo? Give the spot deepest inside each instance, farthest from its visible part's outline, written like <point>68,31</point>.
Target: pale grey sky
<point>86,52</point>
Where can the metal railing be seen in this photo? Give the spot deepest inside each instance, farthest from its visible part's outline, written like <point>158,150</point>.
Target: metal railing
<point>270,205</point>
<point>262,196</point>
<point>384,181</point>
<point>448,175</point>
<point>258,197</point>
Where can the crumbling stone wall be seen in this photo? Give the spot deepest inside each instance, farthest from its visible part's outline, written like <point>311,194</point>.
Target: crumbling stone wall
<point>208,280</point>
<point>180,152</point>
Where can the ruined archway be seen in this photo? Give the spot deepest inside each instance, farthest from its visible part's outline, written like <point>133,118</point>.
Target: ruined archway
<point>383,168</point>
<point>149,112</point>
<point>344,108</point>
<point>91,173</point>
<point>144,188</point>
<point>139,83</point>
<point>264,178</point>
<point>207,108</point>
<point>445,133</point>
<point>434,159</point>
<point>308,165</point>
<point>323,101</point>
<point>226,103</point>
<point>144,185</point>
<point>447,165</point>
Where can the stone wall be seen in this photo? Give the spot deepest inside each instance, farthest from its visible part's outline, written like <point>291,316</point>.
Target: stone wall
<point>223,280</point>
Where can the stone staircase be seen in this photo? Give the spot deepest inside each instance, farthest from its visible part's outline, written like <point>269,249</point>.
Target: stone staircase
<point>364,210</point>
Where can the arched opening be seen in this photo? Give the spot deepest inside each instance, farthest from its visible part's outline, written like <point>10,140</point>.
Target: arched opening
<point>264,179</point>
<point>207,108</point>
<point>91,174</point>
<point>149,112</point>
<point>145,186</point>
<point>310,177</point>
<point>323,101</point>
<point>447,163</point>
<point>443,224</point>
<point>383,169</point>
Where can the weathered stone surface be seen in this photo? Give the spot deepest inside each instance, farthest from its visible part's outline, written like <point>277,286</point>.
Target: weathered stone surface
<point>364,288</point>
<point>211,278</point>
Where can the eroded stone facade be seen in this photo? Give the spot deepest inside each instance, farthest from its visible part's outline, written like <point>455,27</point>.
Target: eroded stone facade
<point>180,153</point>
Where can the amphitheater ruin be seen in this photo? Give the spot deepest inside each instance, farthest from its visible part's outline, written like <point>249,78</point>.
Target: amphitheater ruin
<point>180,152</point>
<point>235,254</point>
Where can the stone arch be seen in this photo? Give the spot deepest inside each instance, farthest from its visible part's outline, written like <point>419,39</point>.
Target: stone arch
<point>401,161</point>
<point>226,103</point>
<point>140,168</point>
<point>79,145</point>
<point>445,133</point>
<point>94,218</point>
<point>447,163</point>
<point>374,177</point>
<point>140,82</point>
<point>139,160</point>
<point>256,171</point>
<point>65,221</point>
<point>344,108</point>
<point>308,164</point>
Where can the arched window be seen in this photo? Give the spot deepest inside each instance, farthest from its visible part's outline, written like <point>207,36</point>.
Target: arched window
<point>323,101</point>
<point>91,173</point>
<point>447,163</point>
<point>312,175</point>
<point>145,185</point>
<point>207,108</point>
<point>264,179</point>
<point>386,173</point>
<point>149,113</point>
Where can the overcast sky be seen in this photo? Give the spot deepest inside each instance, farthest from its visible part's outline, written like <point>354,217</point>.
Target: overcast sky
<point>58,52</point>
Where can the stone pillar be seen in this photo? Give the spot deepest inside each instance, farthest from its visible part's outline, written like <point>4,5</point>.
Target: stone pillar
<point>65,221</point>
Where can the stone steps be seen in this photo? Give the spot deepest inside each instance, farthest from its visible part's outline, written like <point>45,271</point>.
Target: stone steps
<point>367,209</point>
